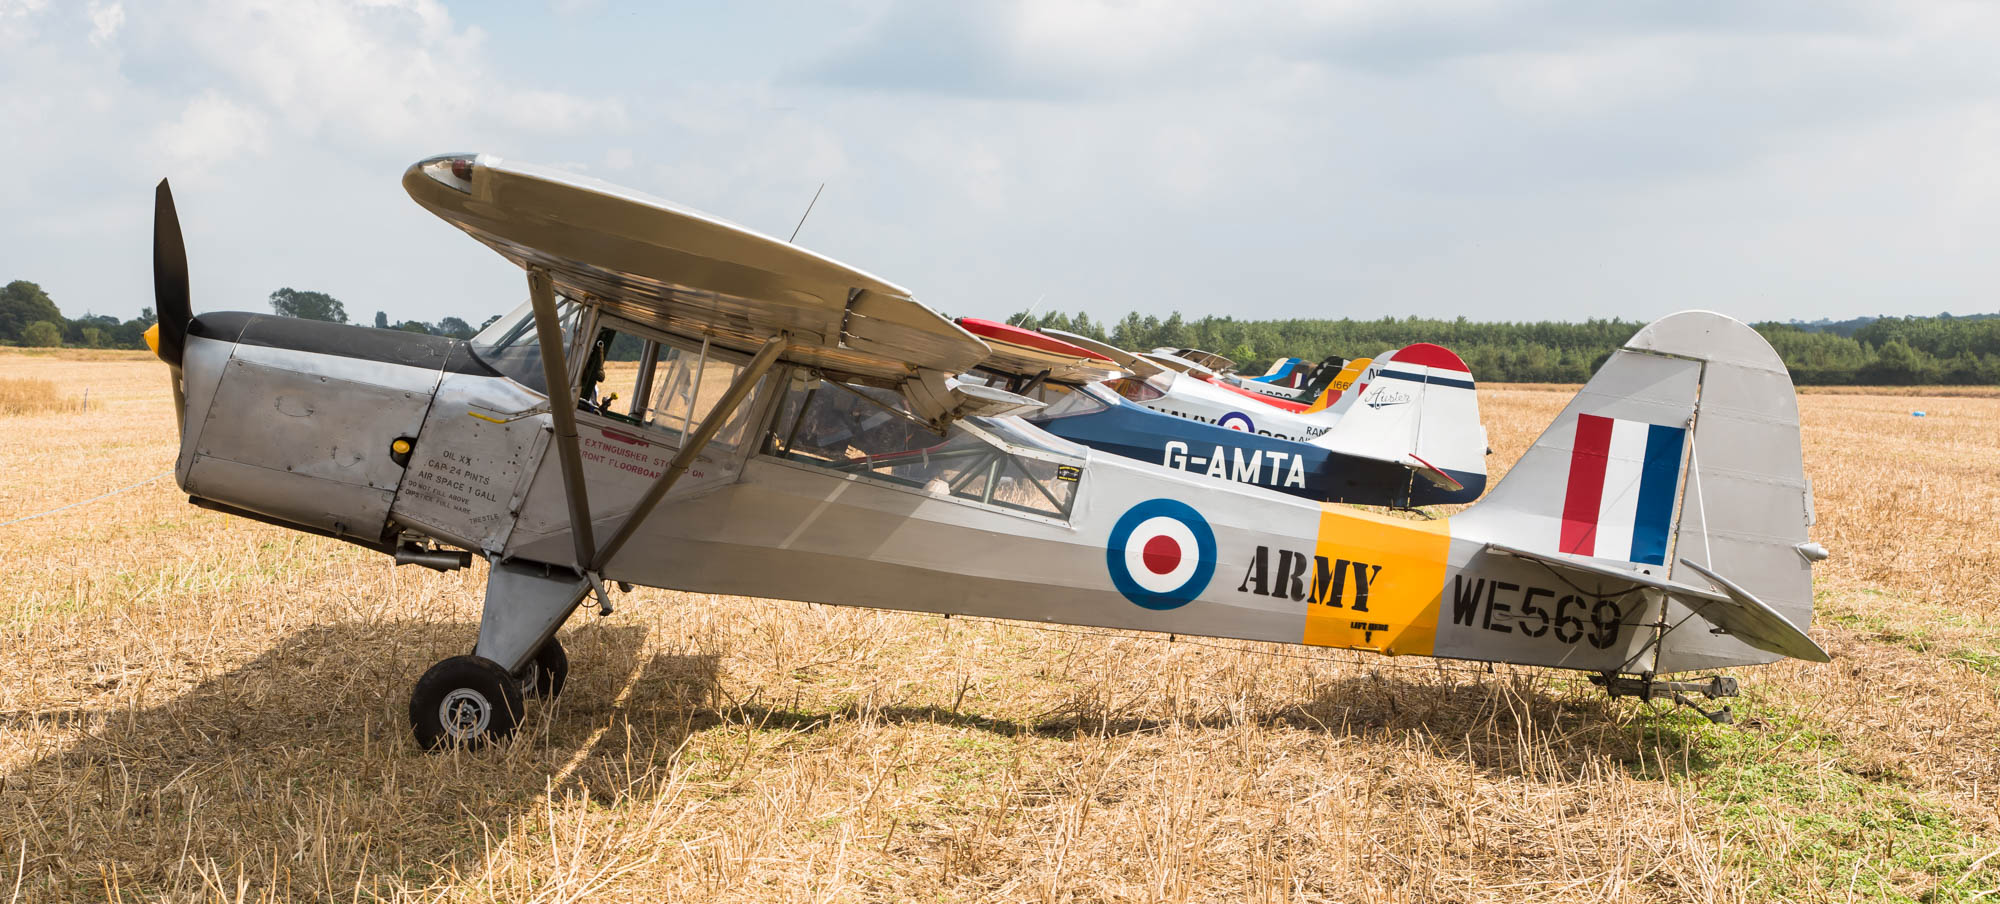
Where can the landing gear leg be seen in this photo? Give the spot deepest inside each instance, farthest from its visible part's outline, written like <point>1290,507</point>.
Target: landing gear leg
<point>474,699</point>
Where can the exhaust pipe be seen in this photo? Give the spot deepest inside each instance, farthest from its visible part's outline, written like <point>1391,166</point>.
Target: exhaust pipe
<point>436,559</point>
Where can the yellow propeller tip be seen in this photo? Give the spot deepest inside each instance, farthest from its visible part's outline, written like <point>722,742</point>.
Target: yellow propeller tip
<point>153,338</point>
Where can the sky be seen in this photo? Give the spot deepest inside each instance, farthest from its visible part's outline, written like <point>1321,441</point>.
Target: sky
<point>1539,159</point>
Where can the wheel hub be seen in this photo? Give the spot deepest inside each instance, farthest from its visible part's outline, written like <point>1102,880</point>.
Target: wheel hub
<point>465,713</point>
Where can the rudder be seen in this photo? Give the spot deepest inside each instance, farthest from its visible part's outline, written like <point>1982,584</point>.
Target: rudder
<point>1683,446</point>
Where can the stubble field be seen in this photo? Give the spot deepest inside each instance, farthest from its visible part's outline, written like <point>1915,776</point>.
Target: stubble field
<point>195,707</point>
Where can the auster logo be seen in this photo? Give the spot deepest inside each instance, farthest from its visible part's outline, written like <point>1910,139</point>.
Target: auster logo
<point>1327,582</point>
<point>1384,398</point>
<point>1161,554</point>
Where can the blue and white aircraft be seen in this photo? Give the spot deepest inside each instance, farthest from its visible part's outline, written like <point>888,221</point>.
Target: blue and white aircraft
<point>1399,430</point>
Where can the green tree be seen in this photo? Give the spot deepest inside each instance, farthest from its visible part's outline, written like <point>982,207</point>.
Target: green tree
<point>308,305</point>
<point>23,303</point>
<point>455,328</point>
<point>42,334</point>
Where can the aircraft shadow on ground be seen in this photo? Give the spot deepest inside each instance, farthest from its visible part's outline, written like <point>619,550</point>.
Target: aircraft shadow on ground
<point>297,769</point>
<point>1493,724</point>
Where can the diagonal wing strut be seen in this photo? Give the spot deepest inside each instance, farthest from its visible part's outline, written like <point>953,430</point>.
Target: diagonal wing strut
<point>555,370</point>
<point>590,557</point>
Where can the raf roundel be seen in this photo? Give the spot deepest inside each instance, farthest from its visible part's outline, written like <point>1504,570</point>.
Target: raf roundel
<point>1236,420</point>
<point>1161,554</point>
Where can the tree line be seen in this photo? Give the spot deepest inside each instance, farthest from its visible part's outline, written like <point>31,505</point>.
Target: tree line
<point>1869,351</point>
<point>29,317</point>
<point>1882,351</point>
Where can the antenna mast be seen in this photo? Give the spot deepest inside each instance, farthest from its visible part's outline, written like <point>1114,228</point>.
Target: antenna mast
<point>802,217</point>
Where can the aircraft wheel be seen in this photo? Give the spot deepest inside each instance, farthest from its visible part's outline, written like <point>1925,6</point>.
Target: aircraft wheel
<point>464,701</point>
<point>547,671</point>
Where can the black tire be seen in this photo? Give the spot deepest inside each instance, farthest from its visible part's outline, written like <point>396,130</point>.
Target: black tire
<point>464,701</point>
<point>547,671</point>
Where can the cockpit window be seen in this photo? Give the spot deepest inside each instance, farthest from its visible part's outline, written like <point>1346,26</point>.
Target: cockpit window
<point>1001,462</point>
<point>1135,389</point>
<point>1068,401</point>
<point>510,346</point>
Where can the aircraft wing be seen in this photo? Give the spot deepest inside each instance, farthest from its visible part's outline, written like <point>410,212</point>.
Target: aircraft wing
<point>691,274</point>
<point>1029,352</point>
<point>1728,607</point>
<point>1140,367</point>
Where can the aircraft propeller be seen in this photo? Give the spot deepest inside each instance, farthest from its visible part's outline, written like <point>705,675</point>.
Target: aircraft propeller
<point>171,301</point>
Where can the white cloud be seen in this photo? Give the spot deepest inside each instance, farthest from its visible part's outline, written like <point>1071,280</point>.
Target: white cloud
<point>1272,157</point>
<point>105,20</point>
<point>210,131</point>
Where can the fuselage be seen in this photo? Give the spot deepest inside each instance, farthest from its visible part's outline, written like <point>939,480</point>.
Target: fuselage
<point>1122,427</point>
<point>299,424</point>
<point>1196,399</point>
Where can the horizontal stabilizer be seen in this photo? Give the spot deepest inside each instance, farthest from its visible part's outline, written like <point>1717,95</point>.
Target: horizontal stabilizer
<point>1436,475</point>
<point>1728,607</point>
<point>1756,623</point>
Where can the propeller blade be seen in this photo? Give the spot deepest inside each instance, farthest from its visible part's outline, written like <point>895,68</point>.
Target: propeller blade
<point>170,277</point>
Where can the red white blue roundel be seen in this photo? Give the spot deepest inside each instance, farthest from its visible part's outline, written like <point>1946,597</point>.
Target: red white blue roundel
<point>1161,554</point>
<point>1236,420</point>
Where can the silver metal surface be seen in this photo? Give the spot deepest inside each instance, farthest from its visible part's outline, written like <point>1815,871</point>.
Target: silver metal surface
<point>470,465</point>
<point>296,443</point>
<point>345,509</point>
<point>525,604</point>
<point>202,364</point>
<point>313,426</point>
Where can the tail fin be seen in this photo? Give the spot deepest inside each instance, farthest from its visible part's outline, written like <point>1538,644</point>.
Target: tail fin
<point>1330,384</point>
<point>1419,409</point>
<point>1680,455</point>
<point>1282,371</point>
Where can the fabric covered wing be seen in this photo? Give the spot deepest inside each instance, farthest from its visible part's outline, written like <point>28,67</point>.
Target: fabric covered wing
<point>1141,367</point>
<point>688,273</point>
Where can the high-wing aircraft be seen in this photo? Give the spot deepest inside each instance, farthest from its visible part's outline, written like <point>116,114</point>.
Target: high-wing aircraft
<point>1383,453</point>
<point>794,429</point>
<point>1399,430</point>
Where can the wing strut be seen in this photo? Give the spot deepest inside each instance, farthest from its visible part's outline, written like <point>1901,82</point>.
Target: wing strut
<point>555,369</point>
<point>738,390</point>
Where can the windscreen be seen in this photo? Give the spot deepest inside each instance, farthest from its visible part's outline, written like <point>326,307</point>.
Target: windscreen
<point>509,345</point>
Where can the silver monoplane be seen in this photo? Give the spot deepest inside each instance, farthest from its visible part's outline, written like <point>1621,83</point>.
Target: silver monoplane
<point>794,428</point>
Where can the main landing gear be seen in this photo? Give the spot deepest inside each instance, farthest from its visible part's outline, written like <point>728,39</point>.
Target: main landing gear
<point>478,698</point>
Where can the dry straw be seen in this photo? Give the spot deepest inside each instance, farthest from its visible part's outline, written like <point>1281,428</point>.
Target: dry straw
<point>200,708</point>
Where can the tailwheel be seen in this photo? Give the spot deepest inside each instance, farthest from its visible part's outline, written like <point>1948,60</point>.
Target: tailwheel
<point>546,672</point>
<point>465,701</point>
